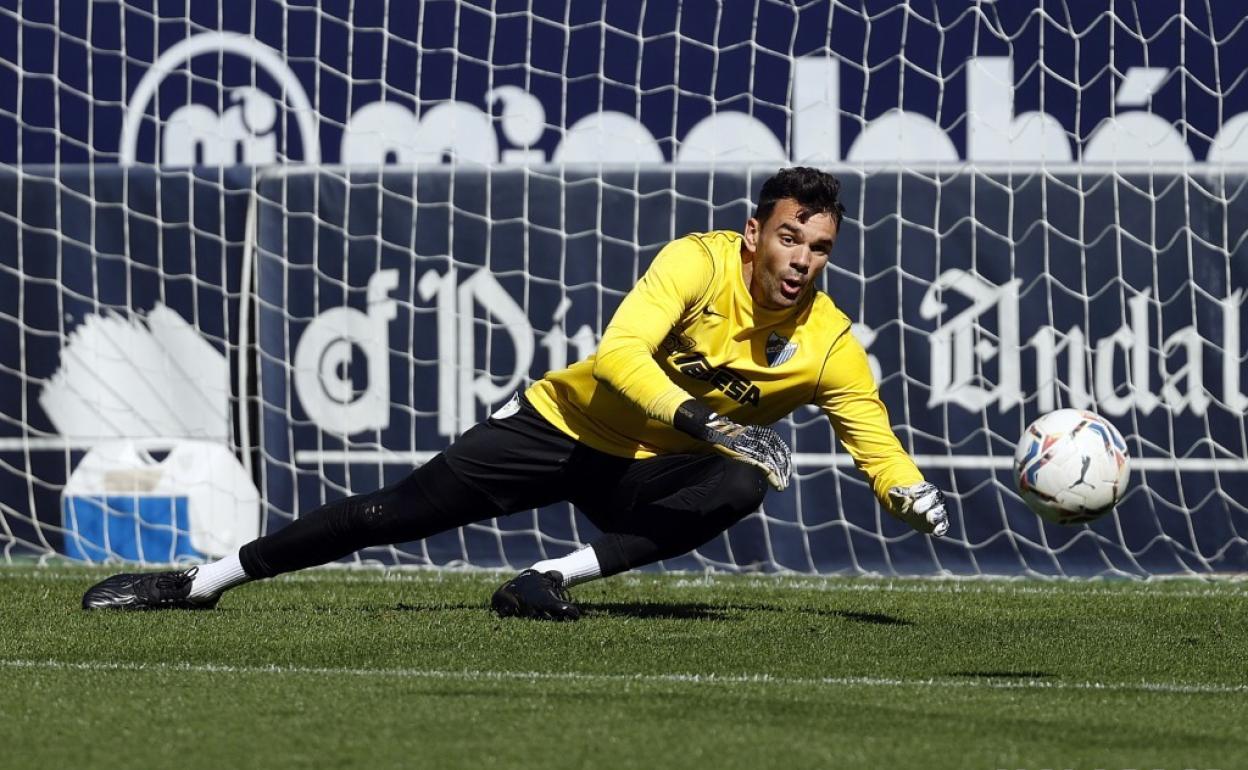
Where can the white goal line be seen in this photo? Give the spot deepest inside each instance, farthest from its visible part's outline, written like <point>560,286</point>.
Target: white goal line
<point>813,460</point>
<point>1021,683</point>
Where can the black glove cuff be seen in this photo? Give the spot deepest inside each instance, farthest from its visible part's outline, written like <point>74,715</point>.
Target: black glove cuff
<point>691,417</point>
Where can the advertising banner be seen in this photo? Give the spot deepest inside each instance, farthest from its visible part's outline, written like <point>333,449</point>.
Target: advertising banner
<point>326,240</point>
<point>392,321</point>
<point>375,82</point>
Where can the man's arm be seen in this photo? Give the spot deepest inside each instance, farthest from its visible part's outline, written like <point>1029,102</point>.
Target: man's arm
<point>676,282</point>
<point>678,278</point>
<point>847,394</point>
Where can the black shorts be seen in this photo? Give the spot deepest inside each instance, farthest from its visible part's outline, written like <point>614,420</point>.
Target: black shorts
<point>521,461</point>
<point>647,509</point>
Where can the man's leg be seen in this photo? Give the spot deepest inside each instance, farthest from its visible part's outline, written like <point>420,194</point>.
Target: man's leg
<point>667,506</point>
<point>648,510</point>
<point>498,467</point>
<point>430,500</point>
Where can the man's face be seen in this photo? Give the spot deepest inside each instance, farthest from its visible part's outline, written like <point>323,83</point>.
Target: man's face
<point>790,251</point>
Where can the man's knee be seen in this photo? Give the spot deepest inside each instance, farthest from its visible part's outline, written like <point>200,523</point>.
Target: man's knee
<point>735,490</point>
<point>742,487</point>
<point>431,499</point>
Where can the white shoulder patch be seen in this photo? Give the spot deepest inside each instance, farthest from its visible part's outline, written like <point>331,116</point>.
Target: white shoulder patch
<point>507,409</point>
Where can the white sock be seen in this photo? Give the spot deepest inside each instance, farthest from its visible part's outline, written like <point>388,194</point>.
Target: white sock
<point>213,578</point>
<point>577,567</point>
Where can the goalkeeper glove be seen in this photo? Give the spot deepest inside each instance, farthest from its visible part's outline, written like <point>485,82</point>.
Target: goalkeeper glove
<point>754,444</point>
<point>922,506</point>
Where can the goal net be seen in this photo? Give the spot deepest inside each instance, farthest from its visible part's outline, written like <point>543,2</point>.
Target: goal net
<point>260,258</point>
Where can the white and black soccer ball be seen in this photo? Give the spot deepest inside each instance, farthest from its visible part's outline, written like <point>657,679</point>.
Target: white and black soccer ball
<point>1071,466</point>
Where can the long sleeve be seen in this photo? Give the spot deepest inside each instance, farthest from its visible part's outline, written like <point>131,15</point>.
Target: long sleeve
<point>676,281</point>
<point>847,394</point>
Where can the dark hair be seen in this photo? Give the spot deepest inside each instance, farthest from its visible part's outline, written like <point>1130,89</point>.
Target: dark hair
<point>815,190</point>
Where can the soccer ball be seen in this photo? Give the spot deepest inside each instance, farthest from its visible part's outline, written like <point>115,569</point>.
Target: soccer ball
<point>1071,466</point>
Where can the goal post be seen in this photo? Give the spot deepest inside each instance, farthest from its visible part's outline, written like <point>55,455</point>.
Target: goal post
<point>254,257</point>
<point>977,314</point>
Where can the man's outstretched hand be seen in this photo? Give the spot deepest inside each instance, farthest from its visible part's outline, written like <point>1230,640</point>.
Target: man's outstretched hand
<point>922,506</point>
<point>754,444</point>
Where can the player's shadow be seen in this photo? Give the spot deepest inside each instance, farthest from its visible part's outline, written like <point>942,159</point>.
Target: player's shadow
<point>872,618</point>
<point>700,611</point>
<point>660,610</point>
<point>1003,674</point>
<point>652,610</point>
<point>425,607</point>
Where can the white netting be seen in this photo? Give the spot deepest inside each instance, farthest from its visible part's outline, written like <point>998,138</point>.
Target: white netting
<point>437,202</point>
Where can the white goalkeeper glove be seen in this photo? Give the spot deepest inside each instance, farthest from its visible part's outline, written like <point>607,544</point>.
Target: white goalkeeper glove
<point>754,444</point>
<point>922,506</point>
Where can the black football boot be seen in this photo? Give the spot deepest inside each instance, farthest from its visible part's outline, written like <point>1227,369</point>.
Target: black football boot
<point>148,591</point>
<point>533,594</point>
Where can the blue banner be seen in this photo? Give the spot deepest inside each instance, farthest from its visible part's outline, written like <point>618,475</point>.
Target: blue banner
<point>389,312</point>
<point>1040,215</point>
<point>374,82</point>
<point>391,321</point>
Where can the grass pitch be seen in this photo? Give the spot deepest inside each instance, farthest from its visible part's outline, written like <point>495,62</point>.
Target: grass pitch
<point>338,668</point>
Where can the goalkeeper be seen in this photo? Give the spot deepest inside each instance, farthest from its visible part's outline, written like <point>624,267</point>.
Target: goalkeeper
<point>660,438</point>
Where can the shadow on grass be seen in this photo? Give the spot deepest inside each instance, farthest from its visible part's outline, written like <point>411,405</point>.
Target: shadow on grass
<point>373,609</point>
<point>873,618</point>
<point>1003,674</point>
<point>640,610</point>
<point>434,606</point>
<point>700,611</point>
<point>661,610</point>
<point>692,611</point>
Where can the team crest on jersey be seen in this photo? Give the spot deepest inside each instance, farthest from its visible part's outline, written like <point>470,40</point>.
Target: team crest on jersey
<point>779,349</point>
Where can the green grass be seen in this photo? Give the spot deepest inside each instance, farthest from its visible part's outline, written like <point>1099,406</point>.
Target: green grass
<point>337,668</point>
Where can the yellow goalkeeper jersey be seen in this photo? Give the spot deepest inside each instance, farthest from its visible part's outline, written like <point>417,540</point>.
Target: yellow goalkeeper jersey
<point>690,329</point>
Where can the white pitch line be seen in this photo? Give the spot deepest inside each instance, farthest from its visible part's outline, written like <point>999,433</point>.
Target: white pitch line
<point>62,444</point>
<point>814,460</point>
<point>362,457</point>
<point>571,676</point>
<point>1221,587</point>
<point>1083,587</point>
